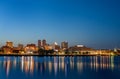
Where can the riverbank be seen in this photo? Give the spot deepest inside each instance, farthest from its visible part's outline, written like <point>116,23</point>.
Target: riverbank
<point>14,54</point>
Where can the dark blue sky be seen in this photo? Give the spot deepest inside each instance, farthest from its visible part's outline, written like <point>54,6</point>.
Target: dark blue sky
<point>94,23</point>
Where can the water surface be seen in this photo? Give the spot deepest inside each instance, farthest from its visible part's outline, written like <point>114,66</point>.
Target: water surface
<point>86,67</point>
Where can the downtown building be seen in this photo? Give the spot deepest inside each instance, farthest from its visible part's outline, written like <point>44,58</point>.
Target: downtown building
<point>8,48</point>
<point>39,43</point>
<point>31,48</point>
<point>64,45</point>
<point>42,43</point>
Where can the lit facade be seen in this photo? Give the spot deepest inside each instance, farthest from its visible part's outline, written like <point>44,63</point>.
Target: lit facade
<point>64,45</point>
<point>31,48</point>
<point>39,43</point>
<point>44,43</point>
<point>9,44</point>
<point>56,47</point>
<point>48,47</point>
<point>20,46</point>
<point>7,49</point>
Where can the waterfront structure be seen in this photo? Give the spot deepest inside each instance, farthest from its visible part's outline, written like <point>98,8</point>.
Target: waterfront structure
<point>20,46</point>
<point>81,49</point>
<point>31,48</point>
<point>9,44</point>
<point>78,49</point>
<point>118,51</point>
<point>104,52</point>
<point>1,51</point>
<point>16,50</point>
<point>56,47</point>
<point>64,45</point>
<point>48,47</point>
<point>7,49</point>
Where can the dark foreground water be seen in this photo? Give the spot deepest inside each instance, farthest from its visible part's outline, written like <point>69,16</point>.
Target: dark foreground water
<point>94,67</point>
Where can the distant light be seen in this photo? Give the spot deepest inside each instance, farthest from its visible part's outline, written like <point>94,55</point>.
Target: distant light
<point>80,45</point>
<point>55,43</point>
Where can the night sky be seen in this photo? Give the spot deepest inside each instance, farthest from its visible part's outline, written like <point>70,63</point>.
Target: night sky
<point>94,23</point>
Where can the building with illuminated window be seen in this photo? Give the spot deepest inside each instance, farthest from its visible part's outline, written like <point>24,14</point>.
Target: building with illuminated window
<point>9,44</point>
<point>44,43</point>
<point>56,47</point>
<point>20,46</point>
<point>64,45</point>
<point>31,48</point>
<point>39,43</point>
<point>7,49</point>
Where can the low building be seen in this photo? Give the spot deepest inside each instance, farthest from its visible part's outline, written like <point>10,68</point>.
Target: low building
<point>48,47</point>
<point>104,52</point>
<point>20,46</point>
<point>7,49</point>
<point>16,50</point>
<point>81,49</point>
<point>30,48</point>
<point>9,44</point>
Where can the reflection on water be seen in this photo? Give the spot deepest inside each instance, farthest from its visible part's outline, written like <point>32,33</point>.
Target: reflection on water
<point>27,64</point>
<point>58,66</point>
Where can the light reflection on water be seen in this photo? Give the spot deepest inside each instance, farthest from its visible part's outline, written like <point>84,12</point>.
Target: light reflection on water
<point>57,67</point>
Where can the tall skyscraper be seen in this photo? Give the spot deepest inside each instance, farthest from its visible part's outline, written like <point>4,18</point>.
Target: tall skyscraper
<point>39,43</point>
<point>64,45</point>
<point>44,43</point>
<point>9,44</point>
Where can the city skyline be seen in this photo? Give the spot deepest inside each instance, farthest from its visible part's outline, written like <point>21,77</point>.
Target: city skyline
<point>92,23</point>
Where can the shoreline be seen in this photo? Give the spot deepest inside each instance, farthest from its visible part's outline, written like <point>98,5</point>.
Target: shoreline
<point>50,55</point>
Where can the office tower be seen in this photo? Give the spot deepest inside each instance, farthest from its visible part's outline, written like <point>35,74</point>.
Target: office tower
<point>39,43</point>
<point>56,47</point>
<point>64,45</point>
<point>44,43</point>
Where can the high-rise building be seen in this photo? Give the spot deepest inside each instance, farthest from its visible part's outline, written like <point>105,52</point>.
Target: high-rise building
<point>64,45</point>
<point>44,43</point>
<point>9,44</point>
<point>39,43</point>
